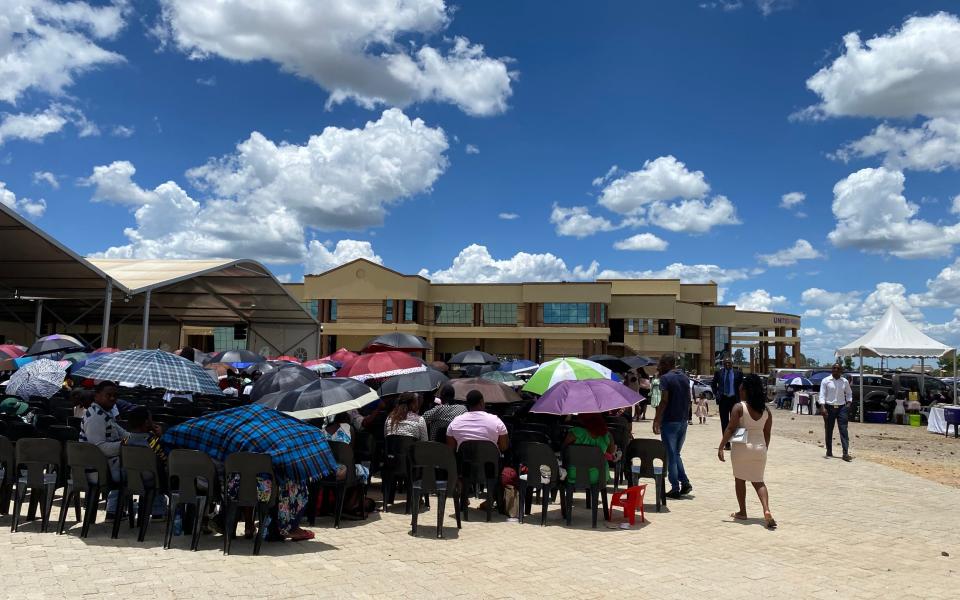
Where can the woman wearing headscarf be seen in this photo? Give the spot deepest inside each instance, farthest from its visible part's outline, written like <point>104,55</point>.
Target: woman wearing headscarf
<point>592,431</point>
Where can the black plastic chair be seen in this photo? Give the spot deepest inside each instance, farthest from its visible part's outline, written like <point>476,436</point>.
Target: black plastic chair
<point>434,471</point>
<point>37,466</point>
<point>141,478</point>
<point>620,431</point>
<point>63,433</point>
<point>523,436</point>
<point>192,482</point>
<point>536,456</point>
<point>7,472</point>
<point>88,473</point>
<point>479,463</point>
<point>647,450</point>
<point>18,430</point>
<point>583,459</point>
<point>396,466</point>
<point>343,453</point>
<point>249,466</point>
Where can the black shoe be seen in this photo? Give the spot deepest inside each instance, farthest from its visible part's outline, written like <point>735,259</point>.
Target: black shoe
<point>111,516</point>
<point>685,489</point>
<point>847,458</point>
<point>828,455</point>
<point>673,494</point>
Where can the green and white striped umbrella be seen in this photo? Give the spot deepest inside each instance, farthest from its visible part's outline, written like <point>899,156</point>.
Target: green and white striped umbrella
<point>565,369</point>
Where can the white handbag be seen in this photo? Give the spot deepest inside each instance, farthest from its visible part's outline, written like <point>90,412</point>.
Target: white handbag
<point>739,436</point>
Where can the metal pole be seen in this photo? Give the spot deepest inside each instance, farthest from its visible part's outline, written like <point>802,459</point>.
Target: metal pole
<point>36,320</point>
<point>107,302</point>
<point>861,386</point>
<point>146,320</point>
<point>954,375</point>
<point>923,379</point>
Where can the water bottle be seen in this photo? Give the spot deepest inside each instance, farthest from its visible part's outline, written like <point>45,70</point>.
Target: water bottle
<point>177,524</point>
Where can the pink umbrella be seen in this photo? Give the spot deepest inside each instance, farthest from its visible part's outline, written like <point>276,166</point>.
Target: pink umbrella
<point>11,351</point>
<point>381,365</point>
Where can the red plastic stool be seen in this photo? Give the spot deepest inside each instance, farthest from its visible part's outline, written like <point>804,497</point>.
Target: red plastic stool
<point>629,500</point>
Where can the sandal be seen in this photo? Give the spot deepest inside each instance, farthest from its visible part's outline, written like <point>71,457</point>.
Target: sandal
<point>771,522</point>
<point>738,516</point>
<point>300,535</point>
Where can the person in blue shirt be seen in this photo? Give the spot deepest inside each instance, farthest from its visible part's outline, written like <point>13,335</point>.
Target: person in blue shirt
<point>671,422</point>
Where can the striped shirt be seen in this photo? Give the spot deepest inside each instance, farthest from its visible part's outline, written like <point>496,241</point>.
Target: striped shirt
<point>100,429</point>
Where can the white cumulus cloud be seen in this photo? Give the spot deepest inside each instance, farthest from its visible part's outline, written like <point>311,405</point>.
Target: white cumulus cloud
<point>664,178</point>
<point>33,209</point>
<point>792,200</point>
<point>46,177</point>
<point>508,216</point>
<point>321,258</point>
<point>758,300</point>
<point>577,221</point>
<point>800,250</point>
<point>934,146</point>
<point>642,241</point>
<point>471,149</point>
<point>697,273</point>
<point>693,216</point>
<point>475,264</point>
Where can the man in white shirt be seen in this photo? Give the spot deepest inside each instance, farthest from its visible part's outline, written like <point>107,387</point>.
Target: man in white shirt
<point>835,398</point>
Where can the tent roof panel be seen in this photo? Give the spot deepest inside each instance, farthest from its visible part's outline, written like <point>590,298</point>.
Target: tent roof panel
<point>894,336</point>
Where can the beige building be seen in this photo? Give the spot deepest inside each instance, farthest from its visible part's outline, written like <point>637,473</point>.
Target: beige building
<point>540,321</point>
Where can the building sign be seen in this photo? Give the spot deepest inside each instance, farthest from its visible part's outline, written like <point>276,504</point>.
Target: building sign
<point>791,321</point>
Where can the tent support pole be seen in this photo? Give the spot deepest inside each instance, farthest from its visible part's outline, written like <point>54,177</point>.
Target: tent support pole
<point>146,319</point>
<point>107,303</point>
<point>923,378</point>
<point>861,386</point>
<point>36,321</point>
<point>954,375</point>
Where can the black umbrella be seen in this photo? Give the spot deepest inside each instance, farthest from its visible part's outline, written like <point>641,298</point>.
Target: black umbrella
<point>237,358</point>
<point>473,357</point>
<point>426,381</point>
<point>54,343</point>
<point>262,367</point>
<point>614,363</point>
<point>322,398</point>
<point>282,379</point>
<point>477,370</point>
<point>638,362</point>
<point>396,341</point>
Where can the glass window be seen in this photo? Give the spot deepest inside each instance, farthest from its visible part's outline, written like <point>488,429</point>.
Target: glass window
<point>449,313</point>
<point>629,325</point>
<point>409,310</point>
<point>388,313</point>
<point>333,311</point>
<point>566,313</point>
<point>223,340</point>
<point>603,314</point>
<point>499,314</point>
<point>312,307</point>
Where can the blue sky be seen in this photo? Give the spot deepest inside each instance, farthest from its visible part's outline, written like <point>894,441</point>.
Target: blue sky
<point>309,133</point>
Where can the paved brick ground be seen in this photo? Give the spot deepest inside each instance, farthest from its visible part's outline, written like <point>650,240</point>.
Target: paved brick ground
<point>858,530</point>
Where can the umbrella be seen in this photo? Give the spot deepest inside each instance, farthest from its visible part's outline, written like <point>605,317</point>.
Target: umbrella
<point>263,367</point>
<point>342,356</point>
<point>588,396</point>
<point>154,369</point>
<point>564,369</point>
<point>473,357</point>
<point>396,341</point>
<point>285,358</point>
<point>439,365</point>
<point>638,362</point>
<point>106,350</point>
<point>54,343</point>
<point>493,392</point>
<point>79,359</point>
<point>11,351</point>
<point>219,369</point>
<point>42,377</point>
<point>12,364</point>
<point>424,381</point>
<point>236,358</point>
<point>381,365</point>
<point>281,380</point>
<point>321,398</point>
<point>614,363</point>
<point>298,451</point>
<point>321,366</point>
<point>504,378</point>
<point>799,382</point>
<point>511,366</point>
<point>817,378</point>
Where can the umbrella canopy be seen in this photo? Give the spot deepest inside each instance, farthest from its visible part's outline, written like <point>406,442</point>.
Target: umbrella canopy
<point>589,396</point>
<point>473,357</point>
<point>476,370</point>
<point>799,382</point>
<point>614,363</point>
<point>424,381</point>
<point>342,356</point>
<point>638,362</point>
<point>78,360</point>
<point>439,365</point>
<point>236,358</point>
<point>504,378</point>
<point>152,368</point>
<point>493,391</point>
<point>105,350</point>
<point>285,358</point>
<point>381,365</point>
<point>11,351</point>
<point>321,366</point>
<point>396,341</point>
<point>511,366</point>
<point>298,451</point>
<point>219,369</point>
<point>283,379</point>
<point>12,364</point>
<point>321,398</point>
<point>54,343</point>
<point>262,367</point>
<point>564,369</point>
<point>817,378</point>
<point>42,377</point>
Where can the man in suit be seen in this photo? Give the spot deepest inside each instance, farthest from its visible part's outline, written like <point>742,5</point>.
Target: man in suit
<point>726,389</point>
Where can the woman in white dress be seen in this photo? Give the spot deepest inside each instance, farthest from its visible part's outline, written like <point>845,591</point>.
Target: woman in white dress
<point>749,456</point>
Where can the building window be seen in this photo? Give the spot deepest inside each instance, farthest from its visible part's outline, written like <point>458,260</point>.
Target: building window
<point>333,311</point>
<point>312,307</point>
<point>663,327</point>
<point>223,340</point>
<point>566,313</point>
<point>448,313</point>
<point>388,311</point>
<point>409,311</point>
<point>499,314</point>
<point>630,325</point>
<point>603,314</point>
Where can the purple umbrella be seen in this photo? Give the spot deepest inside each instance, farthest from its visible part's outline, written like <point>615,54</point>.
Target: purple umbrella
<point>587,396</point>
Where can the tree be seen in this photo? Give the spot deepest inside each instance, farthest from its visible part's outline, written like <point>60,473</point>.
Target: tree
<point>811,362</point>
<point>738,357</point>
<point>848,363</point>
<point>945,364</point>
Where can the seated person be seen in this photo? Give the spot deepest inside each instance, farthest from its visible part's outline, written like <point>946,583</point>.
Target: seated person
<point>405,418</point>
<point>100,429</point>
<point>439,417</point>
<point>477,424</point>
<point>81,399</point>
<point>592,431</point>
<point>145,433</point>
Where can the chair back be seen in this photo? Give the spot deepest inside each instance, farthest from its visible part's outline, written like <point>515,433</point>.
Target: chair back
<point>83,459</point>
<point>63,433</point>
<point>6,460</point>
<point>343,453</point>
<point>140,464</point>
<point>40,457</point>
<point>647,450</point>
<point>583,459</point>
<point>433,462</point>
<point>249,466</point>
<point>18,430</point>
<point>523,436</point>
<point>187,468</point>
<point>951,416</point>
<point>619,431</point>
<point>479,460</point>
<point>535,456</point>
<point>397,451</point>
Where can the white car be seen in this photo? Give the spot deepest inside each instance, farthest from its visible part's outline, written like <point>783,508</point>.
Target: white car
<point>701,387</point>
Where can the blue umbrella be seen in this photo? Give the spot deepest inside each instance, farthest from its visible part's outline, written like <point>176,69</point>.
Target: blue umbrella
<point>151,368</point>
<point>799,382</point>
<point>516,365</point>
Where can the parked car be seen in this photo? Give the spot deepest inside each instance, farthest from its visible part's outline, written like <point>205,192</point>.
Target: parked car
<point>932,387</point>
<point>877,391</point>
<point>701,386</point>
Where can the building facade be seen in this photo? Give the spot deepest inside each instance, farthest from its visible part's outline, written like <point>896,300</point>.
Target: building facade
<point>541,321</point>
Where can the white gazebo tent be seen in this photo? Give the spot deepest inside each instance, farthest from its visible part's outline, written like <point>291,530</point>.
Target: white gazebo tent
<point>895,337</point>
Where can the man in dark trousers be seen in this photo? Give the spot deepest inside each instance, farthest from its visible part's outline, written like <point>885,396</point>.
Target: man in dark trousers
<point>726,389</point>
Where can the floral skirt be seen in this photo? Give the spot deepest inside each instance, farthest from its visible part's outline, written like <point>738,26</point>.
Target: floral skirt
<point>291,500</point>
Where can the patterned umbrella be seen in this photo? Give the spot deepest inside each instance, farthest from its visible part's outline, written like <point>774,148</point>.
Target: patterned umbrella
<point>322,398</point>
<point>298,450</point>
<point>564,369</point>
<point>78,360</point>
<point>42,377</point>
<point>11,351</point>
<point>236,358</point>
<point>107,350</point>
<point>396,341</point>
<point>425,381</point>
<point>473,357</point>
<point>589,396</point>
<point>504,378</point>
<point>284,379</point>
<point>321,366</point>
<point>342,356</point>
<point>54,343</point>
<point>381,365</point>
<point>493,392</point>
<point>152,368</point>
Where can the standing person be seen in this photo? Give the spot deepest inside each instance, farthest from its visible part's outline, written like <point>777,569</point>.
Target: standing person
<point>835,398</point>
<point>671,422</point>
<point>726,382</point>
<point>100,429</point>
<point>703,409</point>
<point>750,455</point>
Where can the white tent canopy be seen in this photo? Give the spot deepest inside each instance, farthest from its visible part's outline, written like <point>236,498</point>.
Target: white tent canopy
<point>896,337</point>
